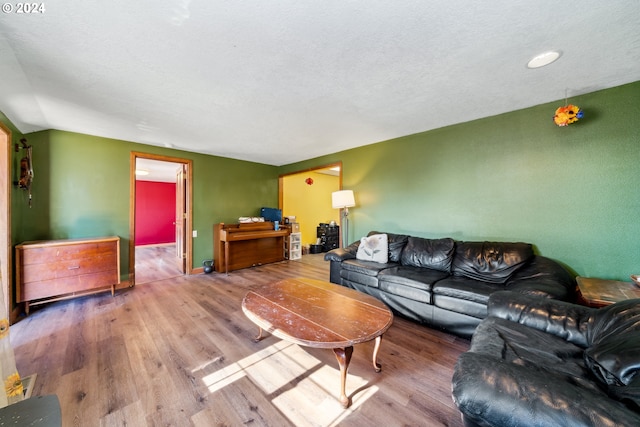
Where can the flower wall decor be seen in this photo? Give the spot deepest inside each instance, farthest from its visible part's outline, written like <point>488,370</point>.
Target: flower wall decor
<point>566,115</point>
<point>309,181</point>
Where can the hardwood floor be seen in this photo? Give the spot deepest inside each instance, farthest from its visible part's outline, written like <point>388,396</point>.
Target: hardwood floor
<point>180,352</point>
<point>156,262</point>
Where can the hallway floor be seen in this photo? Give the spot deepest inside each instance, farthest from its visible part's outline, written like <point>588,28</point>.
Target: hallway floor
<point>155,263</point>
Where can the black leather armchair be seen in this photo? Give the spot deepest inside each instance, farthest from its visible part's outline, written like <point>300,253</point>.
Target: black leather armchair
<point>541,362</point>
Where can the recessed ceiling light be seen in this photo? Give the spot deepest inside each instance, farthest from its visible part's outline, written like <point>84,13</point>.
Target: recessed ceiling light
<point>142,172</point>
<point>543,59</point>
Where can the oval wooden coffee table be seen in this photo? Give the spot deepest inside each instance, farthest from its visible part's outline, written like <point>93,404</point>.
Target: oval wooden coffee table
<point>319,314</point>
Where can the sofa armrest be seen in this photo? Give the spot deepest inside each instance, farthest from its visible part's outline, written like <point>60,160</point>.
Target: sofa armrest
<point>341,254</point>
<point>543,277</point>
<point>336,256</point>
<point>560,318</point>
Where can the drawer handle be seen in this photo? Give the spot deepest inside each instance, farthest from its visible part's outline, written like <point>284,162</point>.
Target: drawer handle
<point>74,268</point>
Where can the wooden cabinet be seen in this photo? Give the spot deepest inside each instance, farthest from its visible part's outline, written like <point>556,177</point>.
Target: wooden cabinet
<point>56,269</point>
<point>237,246</point>
<point>329,236</point>
<point>595,292</point>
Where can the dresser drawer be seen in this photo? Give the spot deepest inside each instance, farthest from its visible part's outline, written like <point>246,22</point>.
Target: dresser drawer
<point>60,252</point>
<point>68,267</point>
<point>68,285</point>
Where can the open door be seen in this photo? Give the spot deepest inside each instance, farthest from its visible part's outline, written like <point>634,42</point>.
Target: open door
<point>184,222</point>
<point>181,216</point>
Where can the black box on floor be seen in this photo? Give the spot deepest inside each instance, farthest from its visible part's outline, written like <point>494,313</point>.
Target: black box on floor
<point>315,249</point>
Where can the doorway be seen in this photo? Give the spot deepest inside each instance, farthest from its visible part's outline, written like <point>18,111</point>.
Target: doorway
<point>160,246</point>
<point>306,194</point>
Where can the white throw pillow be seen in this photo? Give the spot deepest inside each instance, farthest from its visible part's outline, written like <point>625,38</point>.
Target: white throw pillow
<point>374,248</point>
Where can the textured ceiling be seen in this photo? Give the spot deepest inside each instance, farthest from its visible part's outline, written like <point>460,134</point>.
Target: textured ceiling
<point>282,81</point>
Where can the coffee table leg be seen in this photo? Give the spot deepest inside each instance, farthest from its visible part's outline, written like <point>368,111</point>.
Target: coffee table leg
<point>344,358</point>
<point>259,337</point>
<point>376,348</point>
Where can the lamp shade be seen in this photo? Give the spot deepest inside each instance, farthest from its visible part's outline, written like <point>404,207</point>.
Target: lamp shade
<point>342,199</point>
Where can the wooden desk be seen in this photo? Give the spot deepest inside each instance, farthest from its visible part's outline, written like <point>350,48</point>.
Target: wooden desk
<point>601,292</point>
<point>237,246</point>
<point>319,314</point>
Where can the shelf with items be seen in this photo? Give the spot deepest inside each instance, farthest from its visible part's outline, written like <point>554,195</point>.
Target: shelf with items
<point>294,247</point>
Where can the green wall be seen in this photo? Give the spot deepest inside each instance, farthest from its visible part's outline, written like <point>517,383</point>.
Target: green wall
<point>573,192</point>
<point>81,189</point>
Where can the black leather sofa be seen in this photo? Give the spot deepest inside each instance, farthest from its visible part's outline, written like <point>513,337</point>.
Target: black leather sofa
<point>445,283</point>
<point>542,362</point>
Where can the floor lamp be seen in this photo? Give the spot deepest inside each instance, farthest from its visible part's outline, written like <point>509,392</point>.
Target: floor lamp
<point>344,200</point>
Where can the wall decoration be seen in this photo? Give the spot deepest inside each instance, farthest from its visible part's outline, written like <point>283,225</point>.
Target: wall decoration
<point>26,168</point>
<point>309,181</point>
<point>566,115</point>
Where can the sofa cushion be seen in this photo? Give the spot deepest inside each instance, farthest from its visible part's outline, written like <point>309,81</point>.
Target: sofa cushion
<point>396,244</point>
<point>466,289</point>
<point>408,292</point>
<point>435,254</point>
<point>516,375</point>
<point>363,272</point>
<point>374,248</point>
<point>616,359</point>
<point>541,353</point>
<point>415,277</point>
<point>492,262</point>
<point>347,278</point>
<point>615,319</point>
<point>368,268</point>
<point>413,283</point>
<point>464,307</point>
<point>463,295</point>
<point>542,276</point>
<point>614,351</point>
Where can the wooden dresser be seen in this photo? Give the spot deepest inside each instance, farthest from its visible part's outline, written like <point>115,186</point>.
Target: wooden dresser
<point>57,269</point>
<point>237,246</point>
